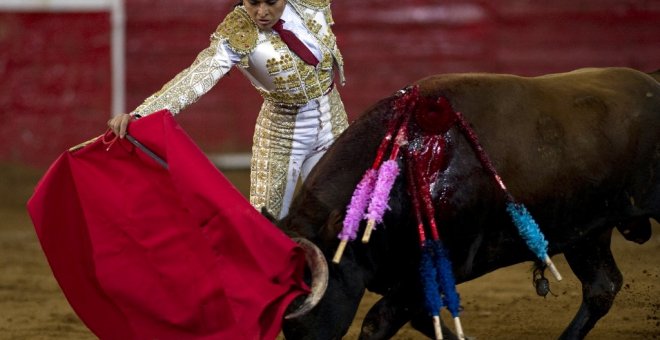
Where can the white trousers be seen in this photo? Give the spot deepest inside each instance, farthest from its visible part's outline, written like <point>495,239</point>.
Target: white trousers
<point>287,144</point>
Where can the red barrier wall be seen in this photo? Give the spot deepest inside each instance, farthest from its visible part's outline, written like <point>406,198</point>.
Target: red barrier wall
<point>388,44</point>
<point>54,82</point>
<point>55,87</point>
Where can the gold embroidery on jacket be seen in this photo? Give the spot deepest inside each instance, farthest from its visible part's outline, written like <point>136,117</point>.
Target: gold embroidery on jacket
<point>326,61</point>
<point>314,26</point>
<point>276,65</point>
<point>328,40</point>
<point>239,30</point>
<point>303,82</point>
<point>296,83</point>
<point>277,43</point>
<point>313,4</point>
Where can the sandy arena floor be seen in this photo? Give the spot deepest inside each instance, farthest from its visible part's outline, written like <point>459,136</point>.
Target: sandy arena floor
<point>501,305</point>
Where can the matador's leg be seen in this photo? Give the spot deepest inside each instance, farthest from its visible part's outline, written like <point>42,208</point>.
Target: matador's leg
<point>271,151</point>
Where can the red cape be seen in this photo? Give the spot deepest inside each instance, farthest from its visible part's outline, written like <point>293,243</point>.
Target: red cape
<point>142,252</point>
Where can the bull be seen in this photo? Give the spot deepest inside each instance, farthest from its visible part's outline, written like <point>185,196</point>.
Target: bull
<point>580,149</point>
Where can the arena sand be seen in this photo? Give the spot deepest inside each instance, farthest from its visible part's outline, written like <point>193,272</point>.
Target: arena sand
<point>500,305</point>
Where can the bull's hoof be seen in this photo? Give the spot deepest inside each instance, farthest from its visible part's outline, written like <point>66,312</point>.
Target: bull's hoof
<point>541,284</point>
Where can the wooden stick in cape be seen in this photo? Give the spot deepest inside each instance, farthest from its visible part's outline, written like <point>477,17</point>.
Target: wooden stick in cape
<point>147,151</point>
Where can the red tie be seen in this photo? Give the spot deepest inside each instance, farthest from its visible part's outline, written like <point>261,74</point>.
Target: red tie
<point>295,44</point>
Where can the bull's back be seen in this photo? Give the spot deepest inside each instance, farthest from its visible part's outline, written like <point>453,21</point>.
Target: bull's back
<point>577,128</point>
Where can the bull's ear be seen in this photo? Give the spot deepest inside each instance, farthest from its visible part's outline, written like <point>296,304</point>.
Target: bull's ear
<point>268,215</point>
<point>332,225</point>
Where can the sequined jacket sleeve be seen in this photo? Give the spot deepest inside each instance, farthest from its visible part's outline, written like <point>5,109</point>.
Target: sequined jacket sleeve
<point>185,88</point>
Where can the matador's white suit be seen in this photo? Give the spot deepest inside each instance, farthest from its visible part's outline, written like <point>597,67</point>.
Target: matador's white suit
<point>302,112</point>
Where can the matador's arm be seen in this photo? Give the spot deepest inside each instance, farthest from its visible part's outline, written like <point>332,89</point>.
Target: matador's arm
<point>210,65</point>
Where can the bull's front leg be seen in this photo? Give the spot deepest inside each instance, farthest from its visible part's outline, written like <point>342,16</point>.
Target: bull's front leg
<point>387,316</point>
<point>393,311</point>
<point>592,262</point>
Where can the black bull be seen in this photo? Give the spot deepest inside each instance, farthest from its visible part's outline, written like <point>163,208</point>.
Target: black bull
<point>581,150</point>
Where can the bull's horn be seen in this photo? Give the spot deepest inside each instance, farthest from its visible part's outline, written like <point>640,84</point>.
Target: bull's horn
<point>319,267</point>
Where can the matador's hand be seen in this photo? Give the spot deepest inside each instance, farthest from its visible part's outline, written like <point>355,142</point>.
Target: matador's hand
<point>119,123</point>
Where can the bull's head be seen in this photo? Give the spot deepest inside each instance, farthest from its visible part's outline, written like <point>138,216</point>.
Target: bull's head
<point>326,313</point>
<point>316,213</point>
<point>318,267</point>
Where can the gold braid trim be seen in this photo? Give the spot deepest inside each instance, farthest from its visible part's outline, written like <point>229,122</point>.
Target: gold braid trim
<point>84,144</point>
<point>239,31</point>
<point>313,4</point>
<point>339,120</point>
